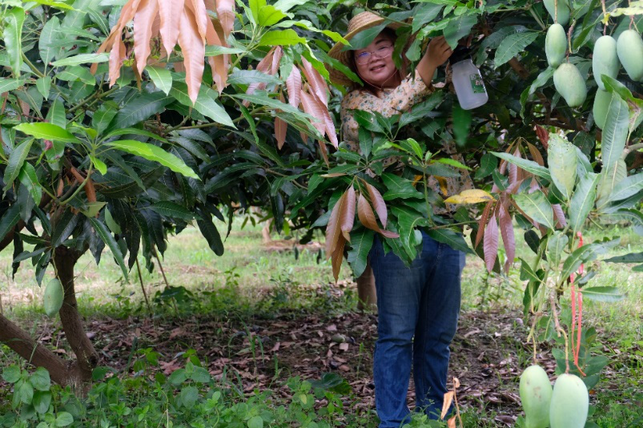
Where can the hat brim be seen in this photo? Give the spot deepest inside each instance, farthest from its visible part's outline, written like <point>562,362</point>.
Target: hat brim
<point>344,56</point>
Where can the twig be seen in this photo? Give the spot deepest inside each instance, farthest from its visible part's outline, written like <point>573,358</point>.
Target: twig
<point>140,277</point>
<point>559,329</point>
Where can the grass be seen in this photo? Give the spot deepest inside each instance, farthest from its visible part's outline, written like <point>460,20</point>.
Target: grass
<point>248,279</point>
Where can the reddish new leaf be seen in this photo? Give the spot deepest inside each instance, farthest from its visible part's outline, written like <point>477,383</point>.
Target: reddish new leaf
<point>559,215</point>
<point>378,203</point>
<point>172,16</point>
<point>316,81</point>
<point>508,238</point>
<point>143,31</point>
<point>338,256</point>
<point>333,229</point>
<point>535,154</point>
<point>513,169</point>
<point>329,125</point>
<point>347,216</point>
<point>491,243</point>
<point>367,218</point>
<point>281,127</point>
<point>277,53</point>
<point>543,136</point>
<point>314,109</point>
<point>293,84</point>
<point>482,223</point>
<point>225,12</point>
<point>219,63</point>
<point>193,49</point>
<point>201,14</point>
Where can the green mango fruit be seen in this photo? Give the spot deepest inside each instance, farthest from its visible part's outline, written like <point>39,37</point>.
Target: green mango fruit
<point>535,395</point>
<point>569,402</point>
<point>604,59</point>
<point>563,11</point>
<point>570,84</point>
<point>601,104</point>
<point>53,299</point>
<point>630,52</point>
<point>555,45</point>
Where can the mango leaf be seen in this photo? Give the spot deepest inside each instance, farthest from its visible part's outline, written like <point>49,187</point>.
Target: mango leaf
<point>562,160</point>
<point>424,14</point>
<point>7,85</point>
<point>140,108</point>
<point>16,160</point>
<point>75,73</point>
<point>603,294</point>
<point>583,201</point>
<point>161,77</point>
<point>513,45</point>
<point>527,165</point>
<point>470,196</point>
<point>50,40</point>
<point>47,131</point>
<point>205,103</point>
<point>281,38</point>
<point>14,17</point>
<point>627,258</point>
<point>556,245</point>
<point>29,179</point>
<point>361,243</point>
<point>154,153</point>
<point>585,254</point>
<point>536,206</point>
<point>172,210</point>
<point>104,116</point>
<point>451,238</point>
<point>9,220</point>
<point>270,15</point>
<point>82,59</point>
<point>626,188</point>
<point>365,37</point>
<point>106,236</point>
<point>458,28</point>
<point>615,131</point>
<point>490,243</point>
<point>209,231</point>
<point>286,5</point>
<point>246,77</point>
<point>398,187</point>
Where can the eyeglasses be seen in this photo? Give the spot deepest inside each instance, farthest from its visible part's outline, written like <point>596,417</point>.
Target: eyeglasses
<point>381,52</point>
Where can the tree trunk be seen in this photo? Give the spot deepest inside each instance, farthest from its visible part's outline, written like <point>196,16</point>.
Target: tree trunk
<point>20,342</point>
<point>366,290</point>
<point>87,358</point>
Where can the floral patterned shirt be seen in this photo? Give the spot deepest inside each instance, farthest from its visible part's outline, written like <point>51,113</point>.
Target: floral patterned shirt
<point>391,101</point>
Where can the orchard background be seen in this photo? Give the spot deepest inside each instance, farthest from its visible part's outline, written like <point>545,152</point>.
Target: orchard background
<point>153,135</point>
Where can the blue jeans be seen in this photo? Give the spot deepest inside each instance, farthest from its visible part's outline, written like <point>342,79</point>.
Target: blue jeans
<point>418,309</point>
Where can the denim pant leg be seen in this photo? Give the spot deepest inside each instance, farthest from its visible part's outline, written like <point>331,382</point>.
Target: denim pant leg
<point>399,293</point>
<point>436,327</point>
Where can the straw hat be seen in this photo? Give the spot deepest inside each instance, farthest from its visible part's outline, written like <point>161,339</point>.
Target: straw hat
<point>359,22</point>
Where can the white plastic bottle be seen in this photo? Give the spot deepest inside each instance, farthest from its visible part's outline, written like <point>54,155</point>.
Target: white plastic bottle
<point>468,83</point>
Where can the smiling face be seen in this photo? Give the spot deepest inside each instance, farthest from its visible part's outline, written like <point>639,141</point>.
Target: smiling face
<point>375,64</point>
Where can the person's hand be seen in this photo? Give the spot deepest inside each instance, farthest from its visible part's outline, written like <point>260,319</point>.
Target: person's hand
<point>438,52</point>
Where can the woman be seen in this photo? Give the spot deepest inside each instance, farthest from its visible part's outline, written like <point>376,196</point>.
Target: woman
<point>418,306</point>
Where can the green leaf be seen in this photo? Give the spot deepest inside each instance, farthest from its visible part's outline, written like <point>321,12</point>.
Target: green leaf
<point>361,243</point>
<point>99,164</point>
<point>424,14</point>
<point>562,160</point>
<point>527,165</point>
<point>205,103</point>
<point>11,374</point>
<point>43,85</point>
<point>14,17</point>
<point>210,232</point>
<point>161,77</point>
<point>270,15</point>
<point>255,422</point>
<point>603,294</point>
<point>458,28</point>
<point>172,210</point>
<point>47,131</point>
<point>16,160</point>
<point>281,38</point>
<point>364,38</point>
<point>155,154</point>
<point>451,238</point>
<point>527,273</point>
<point>109,240</point>
<point>398,187</point>
<point>461,124</point>
<point>104,116</point>
<point>555,248</point>
<point>57,115</point>
<point>627,258</point>
<point>246,77</point>
<point>82,59</point>
<point>286,5</point>
<point>262,98</point>
<point>536,206</point>
<point>222,50</point>
<point>585,254</point>
<point>77,72</point>
<point>64,419</point>
<point>583,201</point>
<point>24,391</point>
<point>42,401</point>
<point>50,40</point>
<point>7,85</point>
<point>29,179</point>
<point>40,379</point>
<point>513,45</point>
<point>626,188</point>
<point>140,108</point>
<point>488,163</point>
<point>615,131</point>
<point>189,396</point>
